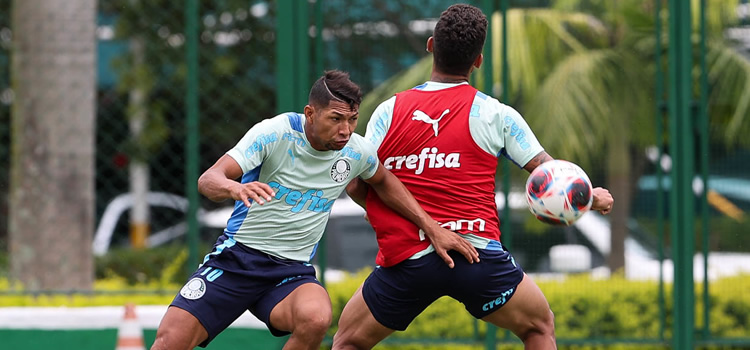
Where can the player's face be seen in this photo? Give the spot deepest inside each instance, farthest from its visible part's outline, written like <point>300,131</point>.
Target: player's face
<point>329,128</point>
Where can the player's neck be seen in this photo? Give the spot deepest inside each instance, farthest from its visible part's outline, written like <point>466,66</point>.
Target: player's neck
<point>448,78</point>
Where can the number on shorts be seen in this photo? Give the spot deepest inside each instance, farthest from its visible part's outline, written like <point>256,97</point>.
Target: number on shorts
<point>213,275</point>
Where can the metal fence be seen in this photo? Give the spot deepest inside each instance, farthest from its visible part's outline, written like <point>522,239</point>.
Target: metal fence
<point>166,110</point>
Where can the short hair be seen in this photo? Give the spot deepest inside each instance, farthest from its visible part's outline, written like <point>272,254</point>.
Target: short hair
<point>458,38</point>
<point>335,85</point>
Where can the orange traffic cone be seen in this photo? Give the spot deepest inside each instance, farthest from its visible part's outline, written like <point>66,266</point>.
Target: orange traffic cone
<point>130,333</point>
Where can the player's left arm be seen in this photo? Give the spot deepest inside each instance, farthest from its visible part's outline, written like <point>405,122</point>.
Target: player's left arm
<point>603,200</point>
<point>394,194</point>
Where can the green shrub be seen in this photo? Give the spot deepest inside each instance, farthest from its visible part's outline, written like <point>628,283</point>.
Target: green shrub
<point>584,309</point>
<point>165,264</point>
<point>107,292</point>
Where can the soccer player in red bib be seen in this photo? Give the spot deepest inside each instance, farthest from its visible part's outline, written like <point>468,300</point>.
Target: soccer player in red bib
<point>442,139</point>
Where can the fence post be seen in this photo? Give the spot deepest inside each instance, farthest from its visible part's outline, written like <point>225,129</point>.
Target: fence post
<point>319,59</point>
<point>292,55</point>
<point>488,7</point>
<point>702,130</point>
<point>192,151</point>
<point>682,206</point>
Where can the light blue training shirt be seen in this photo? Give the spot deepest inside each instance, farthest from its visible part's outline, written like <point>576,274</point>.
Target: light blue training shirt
<point>306,183</point>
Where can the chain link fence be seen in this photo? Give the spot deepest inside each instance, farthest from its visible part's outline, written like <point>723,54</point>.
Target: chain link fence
<point>141,132</point>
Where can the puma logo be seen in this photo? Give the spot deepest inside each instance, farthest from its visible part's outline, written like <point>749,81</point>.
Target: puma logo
<point>423,117</point>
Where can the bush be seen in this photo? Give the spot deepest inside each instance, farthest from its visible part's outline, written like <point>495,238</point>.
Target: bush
<point>165,264</point>
<point>584,309</point>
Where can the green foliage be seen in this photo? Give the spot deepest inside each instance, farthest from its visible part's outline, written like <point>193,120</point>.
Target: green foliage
<point>584,309</point>
<point>236,70</point>
<point>409,78</point>
<point>161,265</point>
<point>111,291</point>
<point>725,234</point>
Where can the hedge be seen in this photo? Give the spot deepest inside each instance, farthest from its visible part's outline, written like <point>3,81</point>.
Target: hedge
<point>584,308</point>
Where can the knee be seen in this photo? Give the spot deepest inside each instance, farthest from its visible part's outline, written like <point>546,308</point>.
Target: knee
<point>313,323</point>
<point>548,323</point>
<point>341,342</point>
<point>165,339</point>
<point>543,325</point>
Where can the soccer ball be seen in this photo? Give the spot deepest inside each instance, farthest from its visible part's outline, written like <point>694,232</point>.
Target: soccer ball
<point>559,192</point>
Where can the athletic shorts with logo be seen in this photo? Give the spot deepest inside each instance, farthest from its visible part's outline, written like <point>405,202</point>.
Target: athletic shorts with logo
<point>396,295</point>
<point>236,278</point>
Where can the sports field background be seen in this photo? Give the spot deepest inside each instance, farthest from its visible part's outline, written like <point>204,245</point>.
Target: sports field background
<point>174,84</point>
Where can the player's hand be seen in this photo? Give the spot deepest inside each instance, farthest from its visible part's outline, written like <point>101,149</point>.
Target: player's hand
<point>444,240</point>
<point>602,201</point>
<point>257,191</point>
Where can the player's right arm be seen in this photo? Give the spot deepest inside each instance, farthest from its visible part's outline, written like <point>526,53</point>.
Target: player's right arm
<point>219,183</point>
<point>537,160</point>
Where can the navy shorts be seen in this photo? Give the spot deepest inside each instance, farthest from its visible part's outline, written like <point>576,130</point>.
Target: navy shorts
<point>396,295</point>
<point>235,278</point>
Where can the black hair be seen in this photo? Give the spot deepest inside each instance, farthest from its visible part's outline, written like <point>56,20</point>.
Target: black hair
<point>335,85</point>
<point>458,38</point>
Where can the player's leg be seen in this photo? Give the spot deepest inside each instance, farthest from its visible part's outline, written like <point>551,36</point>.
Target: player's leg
<point>389,300</point>
<point>179,330</point>
<point>306,313</point>
<point>497,290</point>
<point>217,293</point>
<point>527,314</point>
<point>358,328</point>
<point>206,305</point>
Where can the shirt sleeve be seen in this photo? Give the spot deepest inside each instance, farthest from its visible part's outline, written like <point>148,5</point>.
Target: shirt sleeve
<point>370,156</point>
<point>256,145</point>
<point>501,130</point>
<point>380,122</point>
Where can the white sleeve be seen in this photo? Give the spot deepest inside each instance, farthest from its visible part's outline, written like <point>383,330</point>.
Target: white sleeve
<point>380,122</point>
<point>371,164</point>
<point>501,130</point>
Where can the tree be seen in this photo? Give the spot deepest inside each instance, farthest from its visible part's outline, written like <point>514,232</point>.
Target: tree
<point>52,148</point>
<point>596,73</point>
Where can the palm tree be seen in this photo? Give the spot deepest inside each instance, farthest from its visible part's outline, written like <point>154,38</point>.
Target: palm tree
<point>51,221</point>
<point>586,85</point>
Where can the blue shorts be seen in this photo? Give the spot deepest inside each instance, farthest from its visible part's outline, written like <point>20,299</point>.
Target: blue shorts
<point>236,278</point>
<point>396,295</point>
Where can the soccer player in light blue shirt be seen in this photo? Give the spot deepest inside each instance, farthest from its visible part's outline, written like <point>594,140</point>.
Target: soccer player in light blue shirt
<point>291,168</point>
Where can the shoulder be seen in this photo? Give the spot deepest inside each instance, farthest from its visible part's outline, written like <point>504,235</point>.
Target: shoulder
<point>286,122</point>
<point>488,110</point>
<point>363,152</point>
<point>279,123</point>
<point>268,132</point>
<point>380,121</point>
<point>488,106</point>
<point>385,106</point>
<point>358,143</point>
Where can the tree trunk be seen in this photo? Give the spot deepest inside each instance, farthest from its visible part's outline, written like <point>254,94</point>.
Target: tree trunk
<point>618,179</point>
<point>139,170</point>
<point>53,71</point>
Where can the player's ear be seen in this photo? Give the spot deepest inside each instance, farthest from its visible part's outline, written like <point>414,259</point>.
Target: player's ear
<point>430,44</point>
<point>478,61</point>
<point>309,111</point>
